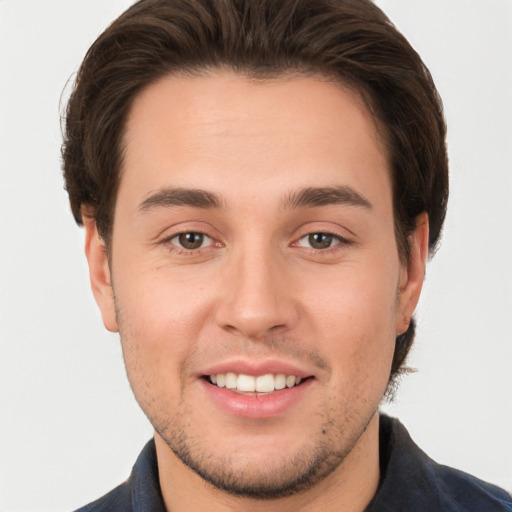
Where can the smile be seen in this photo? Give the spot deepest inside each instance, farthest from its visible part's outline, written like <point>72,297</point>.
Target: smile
<point>241,383</point>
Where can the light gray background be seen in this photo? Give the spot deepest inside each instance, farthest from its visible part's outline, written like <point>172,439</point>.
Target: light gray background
<point>69,427</point>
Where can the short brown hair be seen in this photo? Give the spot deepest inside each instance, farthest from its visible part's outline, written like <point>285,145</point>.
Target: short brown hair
<point>351,41</point>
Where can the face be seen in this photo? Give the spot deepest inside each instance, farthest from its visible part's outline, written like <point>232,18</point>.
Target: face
<point>256,281</point>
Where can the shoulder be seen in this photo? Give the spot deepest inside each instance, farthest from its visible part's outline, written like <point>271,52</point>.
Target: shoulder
<point>411,480</point>
<point>117,500</point>
<point>464,492</point>
<point>141,492</point>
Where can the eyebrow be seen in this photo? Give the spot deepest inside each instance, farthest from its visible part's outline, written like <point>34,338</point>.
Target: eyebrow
<point>323,196</point>
<point>307,198</point>
<point>168,197</point>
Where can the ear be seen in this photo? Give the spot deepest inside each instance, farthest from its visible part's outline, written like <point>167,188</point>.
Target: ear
<point>99,273</point>
<point>413,274</point>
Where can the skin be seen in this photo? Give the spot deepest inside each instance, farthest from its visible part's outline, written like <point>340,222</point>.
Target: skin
<point>257,289</point>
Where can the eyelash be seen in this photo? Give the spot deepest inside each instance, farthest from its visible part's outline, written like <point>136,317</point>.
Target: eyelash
<point>175,247</point>
<point>340,241</point>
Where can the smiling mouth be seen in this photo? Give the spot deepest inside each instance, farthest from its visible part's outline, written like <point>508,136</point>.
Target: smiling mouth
<point>249,384</point>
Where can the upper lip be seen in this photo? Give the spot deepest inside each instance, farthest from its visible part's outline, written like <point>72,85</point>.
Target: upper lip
<point>255,368</point>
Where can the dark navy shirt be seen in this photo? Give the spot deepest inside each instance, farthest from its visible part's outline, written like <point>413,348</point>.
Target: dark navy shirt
<point>410,482</point>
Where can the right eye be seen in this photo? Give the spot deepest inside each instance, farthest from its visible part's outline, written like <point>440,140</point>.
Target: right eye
<point>191,240</point>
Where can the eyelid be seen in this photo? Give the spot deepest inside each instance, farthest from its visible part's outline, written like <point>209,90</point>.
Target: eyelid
<point>185,225</point>
<point>204,235</point>
<point>340,240</point>
<point>326,227</point>
<point>176,248</point>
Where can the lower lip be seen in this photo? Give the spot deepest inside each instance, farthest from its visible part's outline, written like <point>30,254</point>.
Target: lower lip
<point>257,406</point>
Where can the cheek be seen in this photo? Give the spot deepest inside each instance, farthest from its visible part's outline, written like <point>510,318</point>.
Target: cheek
<point>158,325</point>
<point>352,299</point>
<point>355,316</point>
<point>159,299</point>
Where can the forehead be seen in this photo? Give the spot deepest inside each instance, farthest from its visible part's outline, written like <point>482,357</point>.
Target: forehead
<point>224,129</point>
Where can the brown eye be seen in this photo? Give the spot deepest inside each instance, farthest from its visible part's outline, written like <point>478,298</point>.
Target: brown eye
<point>320,240</point>
<point>190,241</point>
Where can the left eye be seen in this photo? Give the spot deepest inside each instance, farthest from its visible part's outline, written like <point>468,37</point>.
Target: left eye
<point>191,240</point>
<point>319,240</point>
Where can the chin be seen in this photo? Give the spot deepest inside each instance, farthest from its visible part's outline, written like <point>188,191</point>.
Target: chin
<point>265,468</point>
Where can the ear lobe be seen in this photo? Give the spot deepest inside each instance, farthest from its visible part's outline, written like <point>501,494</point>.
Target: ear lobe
<point>99,274</point>
<point>412,275</point>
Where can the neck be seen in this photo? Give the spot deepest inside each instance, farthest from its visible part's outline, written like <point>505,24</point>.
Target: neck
<point>350,487</point>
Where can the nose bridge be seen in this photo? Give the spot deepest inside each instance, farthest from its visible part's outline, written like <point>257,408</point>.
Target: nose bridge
<point>255,301</point>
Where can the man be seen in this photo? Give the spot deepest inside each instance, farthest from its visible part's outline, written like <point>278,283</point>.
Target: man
<point>261,183</point>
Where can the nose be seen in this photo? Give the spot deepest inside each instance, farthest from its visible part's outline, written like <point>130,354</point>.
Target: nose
<point>258,298</point>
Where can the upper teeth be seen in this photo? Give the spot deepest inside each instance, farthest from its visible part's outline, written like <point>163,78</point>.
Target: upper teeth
<point>248,383</point>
